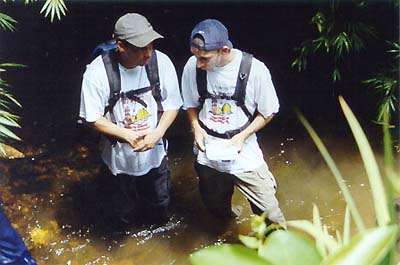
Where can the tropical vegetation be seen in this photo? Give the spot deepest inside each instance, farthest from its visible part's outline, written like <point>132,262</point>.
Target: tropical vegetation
<point>341,36</point>
<point>7,100</point>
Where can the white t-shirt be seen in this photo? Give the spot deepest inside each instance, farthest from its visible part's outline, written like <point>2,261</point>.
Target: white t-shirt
<point>222,115</point>
<point>129,113</point>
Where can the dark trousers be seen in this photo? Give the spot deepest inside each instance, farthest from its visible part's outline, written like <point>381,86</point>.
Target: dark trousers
<point>146,197</point>
<point>216,190</point>
<point>12,248</point>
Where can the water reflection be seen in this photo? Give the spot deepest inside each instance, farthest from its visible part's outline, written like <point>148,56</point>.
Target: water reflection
<point>64,214</point>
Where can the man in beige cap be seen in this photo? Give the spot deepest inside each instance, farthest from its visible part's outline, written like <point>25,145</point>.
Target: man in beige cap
<point>131,95</point>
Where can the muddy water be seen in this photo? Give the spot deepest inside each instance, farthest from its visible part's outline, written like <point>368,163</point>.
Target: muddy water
<point>57,204</point>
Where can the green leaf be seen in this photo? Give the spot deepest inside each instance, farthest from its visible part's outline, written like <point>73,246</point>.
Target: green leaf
<point>2,151</point>
<point>12,65</point>
<point>7,22</point>
<point>288,248</point>
<point>7,133</point>
<point>368,247</point>
<point>54,8</point>
<point>227,254</point>
<point>259,226</point>
<point>308,227</point>
<point>346,228</point>
<point>336,75</point>
<point>370,165</point>
<point>318,225</point>
<point>319,20</point>
<point>249,241</point>
<point>8,122</point>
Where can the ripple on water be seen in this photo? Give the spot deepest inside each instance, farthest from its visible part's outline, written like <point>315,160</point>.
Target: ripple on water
<point>146,234</point>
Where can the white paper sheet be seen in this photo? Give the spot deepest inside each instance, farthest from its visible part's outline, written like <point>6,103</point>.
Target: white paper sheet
<point>221,150</point>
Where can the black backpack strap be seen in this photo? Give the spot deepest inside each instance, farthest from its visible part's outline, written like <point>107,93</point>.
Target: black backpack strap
<point>154,79</point>
<point>241,83</point>
<point>201,81</point>
<point>114,79</point>
<point>228,134</point>
<point>239,95</point>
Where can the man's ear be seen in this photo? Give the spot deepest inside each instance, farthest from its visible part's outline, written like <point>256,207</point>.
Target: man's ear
<point>225,50</point>
<point>120,46</point>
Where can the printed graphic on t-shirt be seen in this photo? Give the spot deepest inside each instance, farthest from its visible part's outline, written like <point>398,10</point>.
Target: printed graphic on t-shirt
<point>136,114</point>
<point>220,111</point>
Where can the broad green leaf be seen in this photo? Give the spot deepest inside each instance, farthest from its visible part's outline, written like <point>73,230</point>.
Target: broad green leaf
<point>370,164</point>
<point>288,248</point>
<point>227,254</point>
<point>367,247</point>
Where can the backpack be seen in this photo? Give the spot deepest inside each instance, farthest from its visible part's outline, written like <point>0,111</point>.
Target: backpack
<point>238,96</point>
<point>108,52</point>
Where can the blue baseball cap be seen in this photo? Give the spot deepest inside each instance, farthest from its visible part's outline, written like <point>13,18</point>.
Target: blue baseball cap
<point>214,34</point>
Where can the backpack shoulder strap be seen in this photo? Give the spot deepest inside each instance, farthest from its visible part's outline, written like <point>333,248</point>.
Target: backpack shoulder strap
<point>201,81</point>
<point>114,79</point>
<point>154,78</point>
<point>241,83</point>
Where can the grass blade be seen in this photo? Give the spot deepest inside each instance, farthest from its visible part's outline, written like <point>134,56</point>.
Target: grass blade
<point>370,164</point>
<point>346,229</point>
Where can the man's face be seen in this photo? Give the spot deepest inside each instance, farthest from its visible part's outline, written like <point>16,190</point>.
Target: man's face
<point>206,60</point>
<point>132,56</point>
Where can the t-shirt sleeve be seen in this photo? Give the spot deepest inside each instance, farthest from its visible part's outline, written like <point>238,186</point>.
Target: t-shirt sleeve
<point>189,86</point>
<point>170,93</point>
<point>93,95</point>
<point>265,95</point>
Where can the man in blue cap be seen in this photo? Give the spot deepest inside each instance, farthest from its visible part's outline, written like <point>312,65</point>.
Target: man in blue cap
<point>229,96</point>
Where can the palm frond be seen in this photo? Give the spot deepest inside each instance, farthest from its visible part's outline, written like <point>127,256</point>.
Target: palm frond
<point>7,22</point>
<point>54,8</point>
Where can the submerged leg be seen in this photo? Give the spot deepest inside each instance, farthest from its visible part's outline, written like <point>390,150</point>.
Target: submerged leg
<point>259,187</point>
<point>153,190</point>
<point>216,190</point>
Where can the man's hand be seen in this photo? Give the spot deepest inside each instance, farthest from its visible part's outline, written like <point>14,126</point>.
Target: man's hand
<point>148,140</point>
<point>200,138</point>
<point>132,137</point>
<point>238,140</point>
<point>200,135</point>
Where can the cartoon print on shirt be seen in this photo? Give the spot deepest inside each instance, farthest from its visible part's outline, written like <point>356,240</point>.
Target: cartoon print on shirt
<point>136,114</point>
<point>220,111</point>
